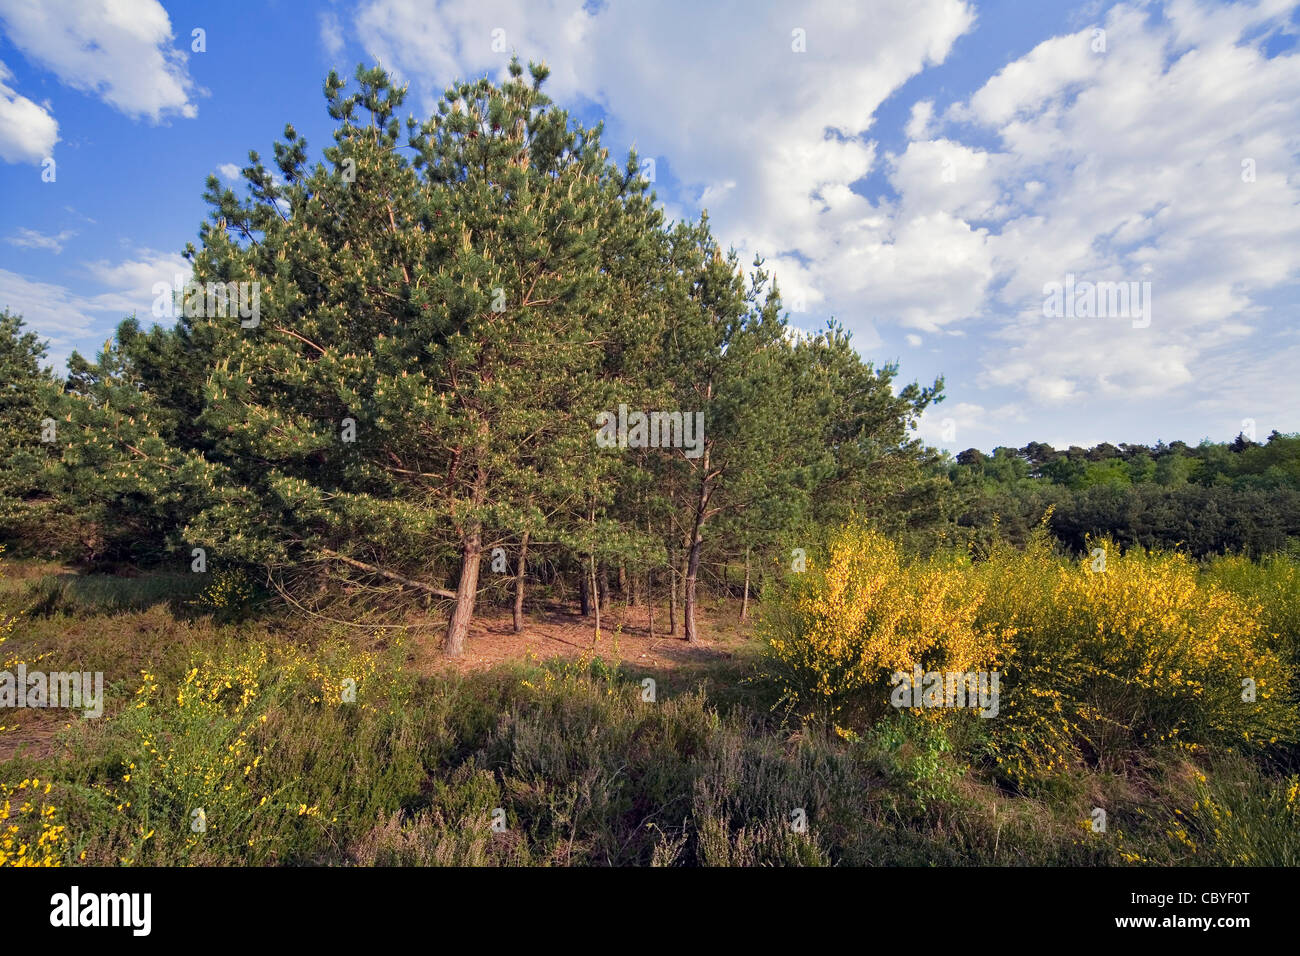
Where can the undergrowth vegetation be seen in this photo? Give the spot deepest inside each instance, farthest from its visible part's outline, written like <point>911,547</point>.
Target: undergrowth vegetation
<point>227,742</point>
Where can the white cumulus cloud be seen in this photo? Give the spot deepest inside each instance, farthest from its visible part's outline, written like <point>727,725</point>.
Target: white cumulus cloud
<point>119,50</point>
<point>27,130</point>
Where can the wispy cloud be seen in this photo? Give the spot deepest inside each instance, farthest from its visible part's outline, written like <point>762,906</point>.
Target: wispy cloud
<point>31,239</point>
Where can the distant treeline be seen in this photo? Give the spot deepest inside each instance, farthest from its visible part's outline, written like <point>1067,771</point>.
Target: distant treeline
<point>1242,496</point>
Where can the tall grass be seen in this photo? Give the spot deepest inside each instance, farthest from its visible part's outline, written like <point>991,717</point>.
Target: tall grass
<point>567,759</point>
<point>55,594</point>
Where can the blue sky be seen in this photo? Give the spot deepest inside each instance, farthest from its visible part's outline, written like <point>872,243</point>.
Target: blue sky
<point>921,170</point>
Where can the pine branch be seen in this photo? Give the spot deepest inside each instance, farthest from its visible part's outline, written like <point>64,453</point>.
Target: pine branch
<point>390,575</point>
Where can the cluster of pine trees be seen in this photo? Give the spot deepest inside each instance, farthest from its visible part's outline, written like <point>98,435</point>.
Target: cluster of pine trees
<point>445,308</point>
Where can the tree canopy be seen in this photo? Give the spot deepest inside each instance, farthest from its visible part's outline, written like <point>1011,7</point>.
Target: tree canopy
<point>395,361</point>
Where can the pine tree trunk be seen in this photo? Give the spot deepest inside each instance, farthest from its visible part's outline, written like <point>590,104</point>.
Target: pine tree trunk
<point>744,601</point>
<point>466,591</point>
<point>471,556</point>
<point>696,543</point>
<point>583,584</point>
<point>595,596</point>
<point>519,584</point>
<point>650,600</point>
<point>672,597</point>
<point>690,631</point>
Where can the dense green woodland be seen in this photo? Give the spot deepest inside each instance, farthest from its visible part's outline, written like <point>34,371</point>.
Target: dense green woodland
<point>446,308</point>
<point>1209,499</point>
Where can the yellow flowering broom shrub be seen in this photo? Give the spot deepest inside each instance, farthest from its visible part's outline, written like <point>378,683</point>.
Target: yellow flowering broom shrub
<point>1096,659</point>
<point>1271,585</point>
<point>846,625</point>
<point>190,774</point>
<point>228,595</point>
<point>1134,653</point>
<point>1037,728</point>
<point>29,834</point>
<point>193,778</point>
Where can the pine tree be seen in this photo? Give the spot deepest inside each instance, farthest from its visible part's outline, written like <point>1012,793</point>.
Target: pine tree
<point>123,479</point>
<point>27,393</point>
<point>442,307</point>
